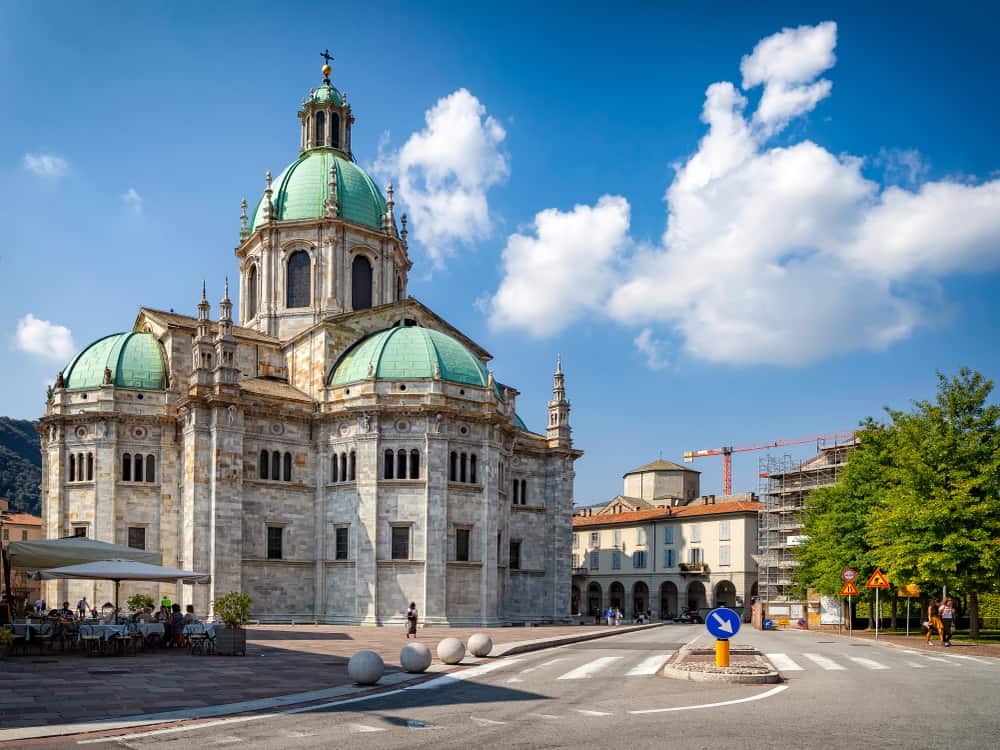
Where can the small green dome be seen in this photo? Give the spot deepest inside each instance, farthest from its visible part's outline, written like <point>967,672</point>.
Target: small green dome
<point>300,192</point>
<point>327,94</point>
<point>135,360</point>
<point>409,352</point>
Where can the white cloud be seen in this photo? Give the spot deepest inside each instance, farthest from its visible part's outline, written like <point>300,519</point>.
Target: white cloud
<point>444,171</point>
<point>783,255</point>
<point>44,339</point>
<point>46,165</point>
<point>563,268</point>
<point>652,348</point>
<point>133,200</point>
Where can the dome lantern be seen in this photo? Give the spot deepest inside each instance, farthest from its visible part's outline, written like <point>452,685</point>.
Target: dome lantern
<point>325,116</point>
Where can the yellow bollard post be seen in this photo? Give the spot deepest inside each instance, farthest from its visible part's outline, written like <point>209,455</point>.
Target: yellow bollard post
<point>722,653</point>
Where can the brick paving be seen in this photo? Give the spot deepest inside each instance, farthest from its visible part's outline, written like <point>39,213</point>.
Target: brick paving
<point>63,687</point>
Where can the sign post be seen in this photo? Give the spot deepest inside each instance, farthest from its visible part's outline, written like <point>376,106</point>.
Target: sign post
<point>849,590</point>
<point>910,590</point>
<point>722,624</point>
<point>877,581</point>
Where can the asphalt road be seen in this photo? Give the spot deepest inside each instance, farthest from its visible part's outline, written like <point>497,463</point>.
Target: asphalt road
<point>604,694</point>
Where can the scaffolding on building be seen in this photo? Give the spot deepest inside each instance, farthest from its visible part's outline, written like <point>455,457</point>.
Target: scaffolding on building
<point>785,486</point>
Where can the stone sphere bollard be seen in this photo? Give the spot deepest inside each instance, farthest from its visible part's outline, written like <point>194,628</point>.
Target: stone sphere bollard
<point>451,651</point>
<point>365,667</point>
<point>415,657</point>
<point>480,644</point>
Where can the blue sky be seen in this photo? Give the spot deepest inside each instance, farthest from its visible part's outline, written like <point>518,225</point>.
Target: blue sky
<point>839,247</point>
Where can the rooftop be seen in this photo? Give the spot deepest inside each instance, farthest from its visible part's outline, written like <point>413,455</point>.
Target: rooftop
<point>662,514</point>
<point>660,465</point>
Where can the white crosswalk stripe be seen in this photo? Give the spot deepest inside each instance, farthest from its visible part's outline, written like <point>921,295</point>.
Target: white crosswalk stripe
<point>828,664</point>
<point>587,712</point>
<point>590,668</point>
<point>784,663</point>
<point>916,665</point>
<point>970,658</point>
<point>529,670</point>
<point>649,666</point>
<point>869,663</point>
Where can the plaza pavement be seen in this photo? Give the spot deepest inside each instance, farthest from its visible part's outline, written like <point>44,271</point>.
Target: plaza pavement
<point>59,688</point>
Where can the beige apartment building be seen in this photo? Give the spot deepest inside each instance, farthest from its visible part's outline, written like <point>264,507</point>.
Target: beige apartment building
<point>665,548</point>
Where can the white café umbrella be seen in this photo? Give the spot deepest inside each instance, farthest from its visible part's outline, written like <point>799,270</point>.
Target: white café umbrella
<point>122,570</point>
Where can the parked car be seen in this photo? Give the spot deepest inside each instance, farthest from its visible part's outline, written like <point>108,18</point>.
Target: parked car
<point>689,617</point>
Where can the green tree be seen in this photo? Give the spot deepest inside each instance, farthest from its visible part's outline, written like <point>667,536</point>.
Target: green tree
<point>837,517</point>
<point>938,518</point>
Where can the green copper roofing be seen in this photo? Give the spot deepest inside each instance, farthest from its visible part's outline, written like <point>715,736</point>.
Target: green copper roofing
<point>327,93</point>
<point>519,423</point>
<point>135,361</point>
<point>300,191</point>
<point>406,352</point>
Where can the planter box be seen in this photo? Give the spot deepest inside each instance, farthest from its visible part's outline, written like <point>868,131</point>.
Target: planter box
<point>231,641</point>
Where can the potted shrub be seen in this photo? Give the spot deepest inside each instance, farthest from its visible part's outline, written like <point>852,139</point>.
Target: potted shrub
<point>138,602</point>
<point>234,611</point>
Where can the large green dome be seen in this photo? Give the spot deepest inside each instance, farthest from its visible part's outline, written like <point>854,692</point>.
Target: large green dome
<point>409,352</point>
<point>300,192</point>
<point>135,360</point>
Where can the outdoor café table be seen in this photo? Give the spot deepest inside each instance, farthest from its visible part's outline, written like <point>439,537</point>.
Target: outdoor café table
<point>42,628</point>
<point>200,628</point>
<point>149,628</point>
<point>105,632</point>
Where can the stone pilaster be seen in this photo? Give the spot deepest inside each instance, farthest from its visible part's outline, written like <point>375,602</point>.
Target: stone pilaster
<point>436,530</point>
<point>225,473</point>
<point>366,567</point>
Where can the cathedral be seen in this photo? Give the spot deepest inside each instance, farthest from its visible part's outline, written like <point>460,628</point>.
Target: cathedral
<point>332,448</point>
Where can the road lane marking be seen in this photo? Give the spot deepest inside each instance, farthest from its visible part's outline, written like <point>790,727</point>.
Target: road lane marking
<point>828,664</point>
<point>649,666</point>
<point>783,662</point>
<point>869,663</point>
<point>587,712</point>
<point>916,665</point>
<point>529,670</point>
<point>760,696</point>
<point>544,716</point>
<point>486,722</point>
<point>364,728</point>
<point>590,669</point>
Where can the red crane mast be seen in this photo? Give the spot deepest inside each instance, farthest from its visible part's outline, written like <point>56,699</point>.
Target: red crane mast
<point>727,452</point>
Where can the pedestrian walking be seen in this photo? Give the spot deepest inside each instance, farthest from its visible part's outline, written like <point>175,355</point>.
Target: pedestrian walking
<point>618,616</point>
<point>610,615</point>
<point>947,612</point>
<point>411,621</point>
<point>82,607</point>
<point>933,620</point>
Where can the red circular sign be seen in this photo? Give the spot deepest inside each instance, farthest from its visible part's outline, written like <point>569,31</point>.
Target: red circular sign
<point>849,574</point>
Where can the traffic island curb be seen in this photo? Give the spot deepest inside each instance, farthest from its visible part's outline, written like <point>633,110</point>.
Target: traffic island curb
<point>707,673</point>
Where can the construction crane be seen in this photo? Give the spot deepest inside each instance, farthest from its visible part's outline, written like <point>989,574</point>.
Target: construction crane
<point>727,452</point>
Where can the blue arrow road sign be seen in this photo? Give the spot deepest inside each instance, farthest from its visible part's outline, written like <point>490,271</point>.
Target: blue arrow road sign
<point>722,623</point>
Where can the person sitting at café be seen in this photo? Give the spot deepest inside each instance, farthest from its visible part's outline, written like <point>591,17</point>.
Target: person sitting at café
<point>146,615</point>
<point>66,613</point>
<point>176,626</point>
<point>189,616</point>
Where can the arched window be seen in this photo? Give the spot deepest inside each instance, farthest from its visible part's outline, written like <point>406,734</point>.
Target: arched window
<point>137,467</point>
<point>335,130</point>
<point>275,465</point>
<point>262,466</point>
<point>252,292</point>
<point>389,464</point>
<point>334,465</point>
<point>320,128</point>
<point>524,492</point>
<point>353,464</point>
<point>472,468</point>
<point>288,467</point>
<point>463,472</point>
<point>401,464</point>
<point>72,467</point>
<point>453,468</point>
<point>298,287</point>
<point>414,464</point>
<point>90,467</point>
<point>361,283</point>
<point>126,467</point>
<point>517,494</point>
<point>150,468</point>
<point>343,467</point>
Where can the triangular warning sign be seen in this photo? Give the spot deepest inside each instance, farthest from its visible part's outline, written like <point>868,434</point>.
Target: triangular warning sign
<point>878,580</point>
<point>849,589</point>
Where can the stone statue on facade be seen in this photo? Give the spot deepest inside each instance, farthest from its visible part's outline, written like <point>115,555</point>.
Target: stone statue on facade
<point>107,376</point>
<point>60,383</point>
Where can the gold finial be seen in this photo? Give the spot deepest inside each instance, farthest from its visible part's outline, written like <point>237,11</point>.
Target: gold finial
<point>326,71</point>
<point>325,54</point>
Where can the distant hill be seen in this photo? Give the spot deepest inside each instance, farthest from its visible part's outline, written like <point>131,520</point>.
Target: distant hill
<point>20,465</point>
